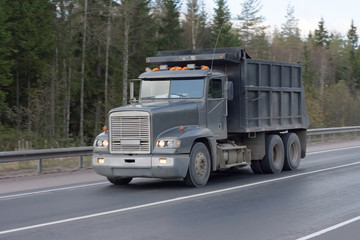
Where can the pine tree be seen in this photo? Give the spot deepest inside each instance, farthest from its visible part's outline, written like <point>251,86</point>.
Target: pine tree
<point>197,32</point>
<point>321,36</point>
<point>204,30</point>
<point>170,29</point>
<point>353,38</point>
<point>137,40</point>
<point>222,33</point>
<point>31,23</point>
<point>353,58</point>
<point>5,62</point>
<point>289,37</point>
<point>195,27</point>
<point>251,21</point>
<point>290,29</point>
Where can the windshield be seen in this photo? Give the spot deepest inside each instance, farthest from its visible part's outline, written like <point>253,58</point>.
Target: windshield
<point>173,88</point>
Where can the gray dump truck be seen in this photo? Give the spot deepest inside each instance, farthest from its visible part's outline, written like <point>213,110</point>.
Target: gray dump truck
<point>201,111</point>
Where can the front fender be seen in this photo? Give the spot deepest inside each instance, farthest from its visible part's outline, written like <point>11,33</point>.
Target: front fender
<point>187,137</point>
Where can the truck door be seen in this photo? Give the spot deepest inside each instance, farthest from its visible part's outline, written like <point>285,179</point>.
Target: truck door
<point>216,108</point>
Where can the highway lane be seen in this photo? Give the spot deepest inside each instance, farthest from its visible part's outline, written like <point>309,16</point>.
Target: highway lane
<point>237,204</point>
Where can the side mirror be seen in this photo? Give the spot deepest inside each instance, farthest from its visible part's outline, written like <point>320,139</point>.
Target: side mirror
<point>133,90</point>
<point>229,90</point>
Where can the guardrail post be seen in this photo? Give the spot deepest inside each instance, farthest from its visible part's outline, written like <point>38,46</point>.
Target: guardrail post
<point>81,162</point>
<point>39,167</point>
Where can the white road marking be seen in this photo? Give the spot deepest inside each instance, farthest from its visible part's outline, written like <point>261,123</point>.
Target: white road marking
<point>329,229</point>
<point>332,150</point>
<point>51,190</point>
<point>178,199</point>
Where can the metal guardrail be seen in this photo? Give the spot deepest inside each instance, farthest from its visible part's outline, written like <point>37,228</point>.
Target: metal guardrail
<point>332,132</point>
<point>40,154</point>
<point>17,156</point>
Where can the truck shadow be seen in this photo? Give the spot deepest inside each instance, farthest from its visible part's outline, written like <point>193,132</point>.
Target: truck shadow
<point>218,178</point>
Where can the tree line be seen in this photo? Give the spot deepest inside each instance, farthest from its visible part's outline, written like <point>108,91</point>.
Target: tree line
<point>65,63</point>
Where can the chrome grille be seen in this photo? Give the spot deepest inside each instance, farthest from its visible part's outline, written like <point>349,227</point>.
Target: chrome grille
<point>130,132</point>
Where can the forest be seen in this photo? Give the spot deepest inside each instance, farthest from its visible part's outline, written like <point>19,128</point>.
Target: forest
<point>65,63</point>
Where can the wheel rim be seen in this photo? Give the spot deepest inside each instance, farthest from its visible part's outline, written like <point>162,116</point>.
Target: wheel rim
<point>201,165</point>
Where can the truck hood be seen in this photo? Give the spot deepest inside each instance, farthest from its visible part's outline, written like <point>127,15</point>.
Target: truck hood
<point>166,114</point>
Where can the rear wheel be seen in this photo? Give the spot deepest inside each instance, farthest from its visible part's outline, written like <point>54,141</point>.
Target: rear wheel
<point>256,167</point>
<point>273,161</point>
<point>199,166</point>
<point>292,148</point>
<point>119,181</point>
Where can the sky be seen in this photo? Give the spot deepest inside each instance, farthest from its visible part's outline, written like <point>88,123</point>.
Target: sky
<point>337,14</point>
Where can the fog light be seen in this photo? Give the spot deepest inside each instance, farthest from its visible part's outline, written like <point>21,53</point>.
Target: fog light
<point>162,160</point>
<point>101,160</point>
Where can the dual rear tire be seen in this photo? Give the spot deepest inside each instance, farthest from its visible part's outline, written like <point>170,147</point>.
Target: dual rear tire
<point>281,153</point>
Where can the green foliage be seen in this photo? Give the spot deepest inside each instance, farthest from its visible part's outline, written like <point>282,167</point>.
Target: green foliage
<point>289,40</point>
<point>41,46</point>
<point>314,108</point>
<point>222,33</point>
<point>170,29</point>
<point>252,22</point>
<point>340,108</point>
<point>196,32</point>
<point>5,61</point>
<point>321,34</point>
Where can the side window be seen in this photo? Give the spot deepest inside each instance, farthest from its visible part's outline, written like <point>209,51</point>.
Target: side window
<point>215,88</point>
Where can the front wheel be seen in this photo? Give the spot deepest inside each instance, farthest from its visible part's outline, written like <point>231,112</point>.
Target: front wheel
<point>199,167</point>
<point>119,181</point>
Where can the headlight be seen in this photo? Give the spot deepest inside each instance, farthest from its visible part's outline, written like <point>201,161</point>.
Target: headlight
<point>101,143</point>
<point>168,143</point>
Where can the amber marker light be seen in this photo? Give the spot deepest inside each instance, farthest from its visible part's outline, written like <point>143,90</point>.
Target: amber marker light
<point>162,160</point>
<point>204,68</point>
<point>101,160</point>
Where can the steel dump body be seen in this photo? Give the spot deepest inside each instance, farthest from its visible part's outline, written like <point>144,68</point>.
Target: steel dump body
<point>268,95</point>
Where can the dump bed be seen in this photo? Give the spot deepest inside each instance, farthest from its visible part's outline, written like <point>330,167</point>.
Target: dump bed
<point>268,95</point>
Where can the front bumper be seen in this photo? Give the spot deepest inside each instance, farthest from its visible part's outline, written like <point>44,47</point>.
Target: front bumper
<point>116,165</point>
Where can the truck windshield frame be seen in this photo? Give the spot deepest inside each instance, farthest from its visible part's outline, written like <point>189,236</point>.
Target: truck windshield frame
<point>177,88</point>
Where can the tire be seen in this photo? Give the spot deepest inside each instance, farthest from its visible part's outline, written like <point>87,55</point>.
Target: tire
<point>273,162</point>
<point>199,166</point>
<point>292,148</point>
<point>120,181</point>
<point>256,167</point>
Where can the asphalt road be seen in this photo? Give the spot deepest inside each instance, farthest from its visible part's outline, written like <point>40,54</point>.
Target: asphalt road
<point>321,200</point>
